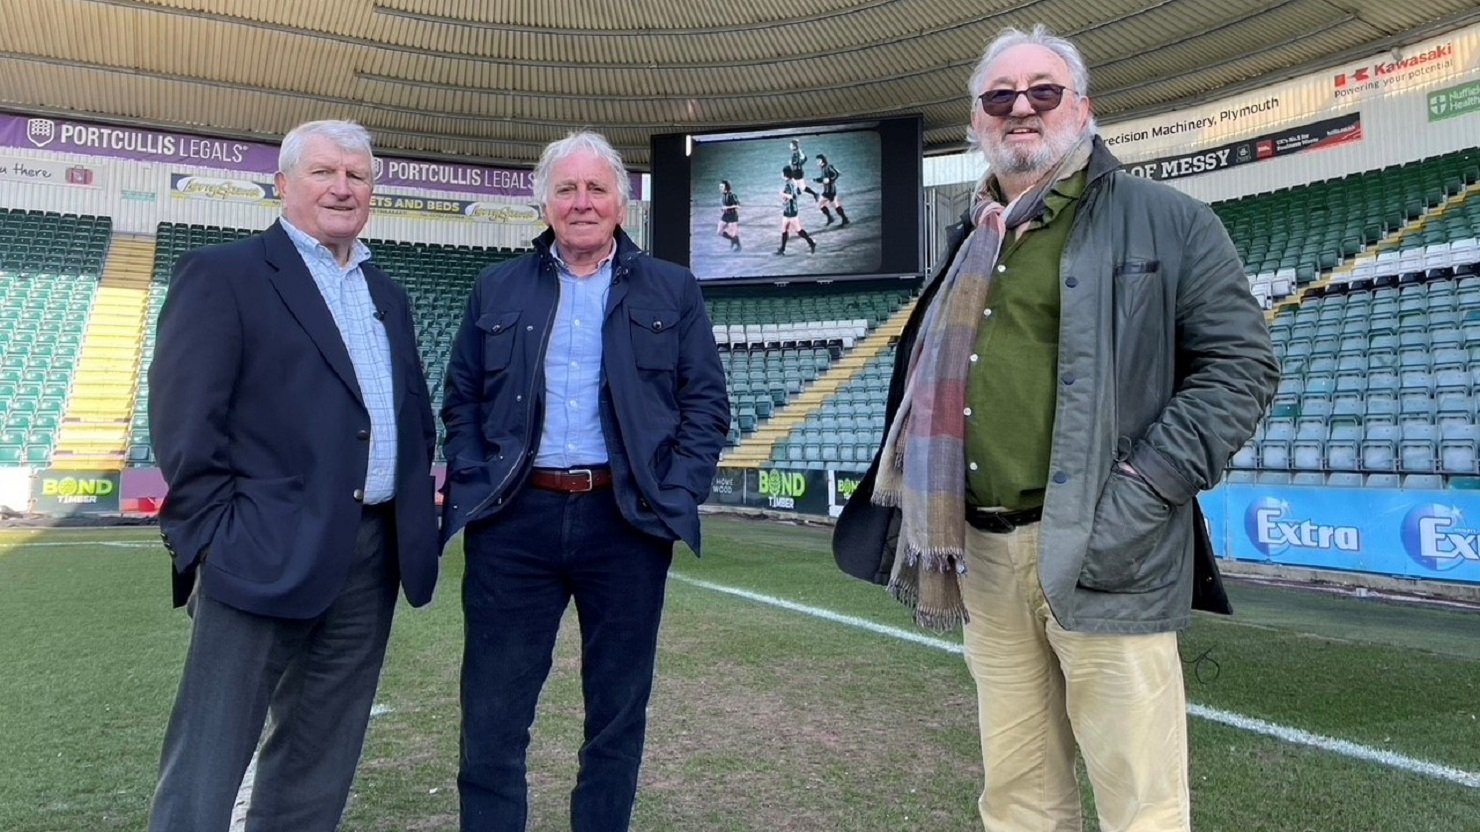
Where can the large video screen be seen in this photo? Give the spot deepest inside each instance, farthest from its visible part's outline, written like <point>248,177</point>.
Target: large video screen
<point>816,201</point>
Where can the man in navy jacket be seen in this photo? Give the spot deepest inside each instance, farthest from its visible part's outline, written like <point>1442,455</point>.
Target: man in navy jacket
<point>585,411</point>
<point>291,419</point>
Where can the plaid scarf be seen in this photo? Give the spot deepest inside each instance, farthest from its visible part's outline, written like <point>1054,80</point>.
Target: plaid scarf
<point>923,466</point>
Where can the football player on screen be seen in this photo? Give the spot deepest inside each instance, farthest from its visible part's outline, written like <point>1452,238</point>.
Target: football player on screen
<point>799,169</point>
<point>790,222</point>
<point>829,180</point>
<point>729,216</point>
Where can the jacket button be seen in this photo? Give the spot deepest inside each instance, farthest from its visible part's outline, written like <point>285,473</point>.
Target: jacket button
<point>1068,378</point>
<point>657,325</point>
<point>1071,281</point>
<point>359,495</point>
<point>362,435</point>
<point>497,327</point>
<point>1060,477</point>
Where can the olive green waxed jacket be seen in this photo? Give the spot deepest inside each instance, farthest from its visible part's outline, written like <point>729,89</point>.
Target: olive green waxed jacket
<point>1164,363</point>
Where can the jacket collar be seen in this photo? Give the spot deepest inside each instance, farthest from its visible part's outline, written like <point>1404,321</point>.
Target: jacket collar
<point>627,250</point>
<point>293,282</point>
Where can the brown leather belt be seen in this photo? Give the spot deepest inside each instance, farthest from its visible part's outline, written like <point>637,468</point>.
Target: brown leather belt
<point>572,480</point>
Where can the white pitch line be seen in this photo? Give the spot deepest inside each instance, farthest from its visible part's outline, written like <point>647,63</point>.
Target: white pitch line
<point>116,544</point>
<point>1344,748</point>
<point>244,792</point>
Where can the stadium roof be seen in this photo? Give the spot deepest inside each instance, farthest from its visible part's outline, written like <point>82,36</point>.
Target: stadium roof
<point>498,79</point>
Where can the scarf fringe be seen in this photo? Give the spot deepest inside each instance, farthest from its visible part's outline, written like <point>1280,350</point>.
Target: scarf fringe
<point>939,620</point>
<point>941,559</point>
<point>888,499</point>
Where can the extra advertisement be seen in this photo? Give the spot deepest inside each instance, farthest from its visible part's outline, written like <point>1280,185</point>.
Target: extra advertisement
<point>1426,535</point>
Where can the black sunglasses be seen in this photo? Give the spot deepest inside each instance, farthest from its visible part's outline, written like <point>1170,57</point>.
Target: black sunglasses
<point>1041,97</point>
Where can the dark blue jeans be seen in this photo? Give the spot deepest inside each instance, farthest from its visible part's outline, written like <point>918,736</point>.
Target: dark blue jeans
<point>523,567</point>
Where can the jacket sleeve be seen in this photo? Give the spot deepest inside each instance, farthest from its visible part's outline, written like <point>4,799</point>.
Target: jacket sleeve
<point>1228,370</point>
<point>703,403</point>
<point>197,358</point>
<point>463,445</point>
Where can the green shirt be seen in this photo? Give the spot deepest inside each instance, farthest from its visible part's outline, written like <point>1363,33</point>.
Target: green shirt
<point>1011,389</point>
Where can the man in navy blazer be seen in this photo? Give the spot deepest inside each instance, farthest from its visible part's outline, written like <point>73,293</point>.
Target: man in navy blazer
<point>290,416</point>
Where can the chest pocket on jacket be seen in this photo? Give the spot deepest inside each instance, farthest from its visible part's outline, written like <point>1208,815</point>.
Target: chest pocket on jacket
<point>654,338</point>
<point>1144,329</point>
<point>498,339</point>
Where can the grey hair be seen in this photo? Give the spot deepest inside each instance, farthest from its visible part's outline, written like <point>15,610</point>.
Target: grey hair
<point>1040,36</point>
<point>346,135</point>
<point>578,142</point>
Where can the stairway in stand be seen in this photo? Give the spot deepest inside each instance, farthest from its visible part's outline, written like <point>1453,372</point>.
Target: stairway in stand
<point>95,426</point>
<point>755,450</point>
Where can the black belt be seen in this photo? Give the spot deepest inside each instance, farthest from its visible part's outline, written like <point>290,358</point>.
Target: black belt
<point>1001,522</point>
<point>378,511</point>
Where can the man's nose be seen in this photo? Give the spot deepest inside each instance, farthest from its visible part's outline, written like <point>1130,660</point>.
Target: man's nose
<point>1020,106</point>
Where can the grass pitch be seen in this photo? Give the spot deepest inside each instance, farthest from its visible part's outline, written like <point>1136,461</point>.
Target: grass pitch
<point>762,718</point>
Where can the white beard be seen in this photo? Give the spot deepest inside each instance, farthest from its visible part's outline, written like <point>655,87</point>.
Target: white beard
<point>1022,160</point>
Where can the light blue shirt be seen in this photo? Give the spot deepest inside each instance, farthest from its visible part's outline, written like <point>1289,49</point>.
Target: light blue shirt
<point>348,297</point>
<point>572,436</point>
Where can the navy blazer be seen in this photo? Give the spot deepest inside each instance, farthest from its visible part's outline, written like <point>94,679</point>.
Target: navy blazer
<point>263,438</point>
<point>664,409</point>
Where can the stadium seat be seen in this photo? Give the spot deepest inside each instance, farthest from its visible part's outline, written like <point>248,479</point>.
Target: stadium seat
<point>1457,448</point>
<point>1247,457</point>
<point>1417,449</point>
<point>1422,481</point>
<point>1380,447</point>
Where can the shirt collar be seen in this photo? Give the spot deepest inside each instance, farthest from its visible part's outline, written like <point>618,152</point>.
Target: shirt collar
<point>601,264</point>
<point>1059,196</point>
<point>309,247</point>
<point>1062,194</point>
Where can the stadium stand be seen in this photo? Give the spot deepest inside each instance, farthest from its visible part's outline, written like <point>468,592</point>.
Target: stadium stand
<point>787,352</point>
<point>49,268</point>
<point>1379,384</point>
<point>846,431</point>
<point>1373,282</point>
<point>437,278</point>
<point>1403,216</point>
<point>171,241</point>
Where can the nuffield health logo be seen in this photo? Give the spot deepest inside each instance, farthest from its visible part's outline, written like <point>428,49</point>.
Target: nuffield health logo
<point>1272,530</point>
<point>1437,537</point>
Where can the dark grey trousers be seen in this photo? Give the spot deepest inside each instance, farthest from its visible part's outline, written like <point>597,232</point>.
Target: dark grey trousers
<point>313,681</point>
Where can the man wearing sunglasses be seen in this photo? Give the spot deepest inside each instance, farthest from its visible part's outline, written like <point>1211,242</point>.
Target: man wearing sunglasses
<point>1087,360</point>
